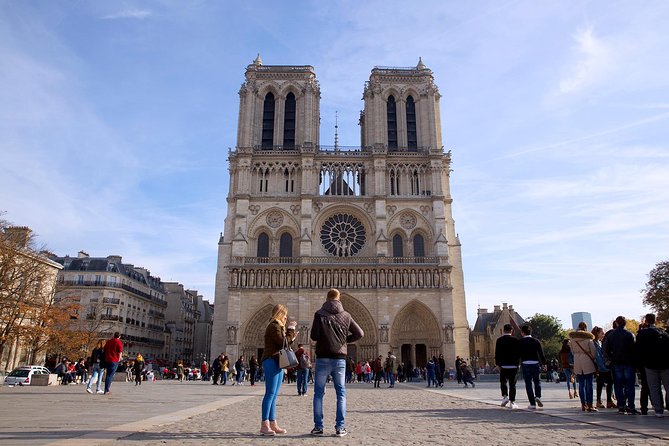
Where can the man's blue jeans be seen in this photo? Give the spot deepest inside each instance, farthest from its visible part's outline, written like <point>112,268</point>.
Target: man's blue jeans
<point>111,371</point>
<point>392,379</point>
<point>337,369</point>
<point>302,375</point>
<point>624,377</point>
<point>531,376</point>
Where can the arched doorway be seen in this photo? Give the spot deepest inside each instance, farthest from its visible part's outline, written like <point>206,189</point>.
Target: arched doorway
<point>366,348</point>
<point>415,334</point>
<point>253,338</point>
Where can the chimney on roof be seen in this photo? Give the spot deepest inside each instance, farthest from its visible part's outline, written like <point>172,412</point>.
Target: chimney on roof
<point>482,311</point>
<point>19,235</point>
<point>497,309</point>
<point>82,255</point>
<point>510,308</point>
<point>504,306</point>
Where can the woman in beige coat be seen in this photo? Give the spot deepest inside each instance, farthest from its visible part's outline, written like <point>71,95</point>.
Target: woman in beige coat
<point>583,348</point>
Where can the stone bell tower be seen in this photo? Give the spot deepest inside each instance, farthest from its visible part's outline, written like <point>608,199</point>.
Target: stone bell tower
<point>374,221</point>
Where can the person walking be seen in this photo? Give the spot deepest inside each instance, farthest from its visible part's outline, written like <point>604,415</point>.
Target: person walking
<point>241,370</point>
<point>253,370</point>
<point>567,364</point>
<point>113,351</point>
<point>390,369</point>
<point>585,364</point>
<point>531,358</point>
<point>332,329</point>
<point>458,370</point>
<point>217,367</point>
<point>619,350</point>
<point>430,373</point>
<point>276,334</point>
<point>653,350</point>
<point>97,369</point>
<point>204,369</point>
<point>507,357</point>
<point>138,368</point>
<point>442,370</point>
<point>303,366</point>
<point>225,369</point>
<point>378,371</point>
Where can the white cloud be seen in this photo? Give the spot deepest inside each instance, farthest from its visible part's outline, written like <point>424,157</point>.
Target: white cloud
<point>129,14</point>
<point>594,58</point>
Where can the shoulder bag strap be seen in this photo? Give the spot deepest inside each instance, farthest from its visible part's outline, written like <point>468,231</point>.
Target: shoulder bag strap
<point>587,353</point>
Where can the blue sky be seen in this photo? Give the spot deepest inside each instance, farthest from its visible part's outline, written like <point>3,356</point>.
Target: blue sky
<point>116,119</point>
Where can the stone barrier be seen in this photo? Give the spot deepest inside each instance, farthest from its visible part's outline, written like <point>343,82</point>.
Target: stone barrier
<point>44,380</point>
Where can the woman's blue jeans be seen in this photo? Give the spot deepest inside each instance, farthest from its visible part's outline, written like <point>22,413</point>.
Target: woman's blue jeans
<point>96,375</point>
<point>585,388</point>
<point>567,376</point>
<point>273,379</point>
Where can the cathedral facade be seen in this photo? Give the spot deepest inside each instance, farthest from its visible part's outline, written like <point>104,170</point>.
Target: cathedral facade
<point>374,221</point>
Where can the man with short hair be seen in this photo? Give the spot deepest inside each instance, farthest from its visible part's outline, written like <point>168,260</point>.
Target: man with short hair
<point>532,358</point>
<point>390,369</point>
<point>332,329</point>
<point>113,350</point>
<point>653,349</point>
<point>619,349</point>
<point>507,356</point>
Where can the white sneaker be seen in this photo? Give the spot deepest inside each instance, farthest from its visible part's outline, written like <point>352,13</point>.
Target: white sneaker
<point>505,401</point>
<point>100,392</point>
<point>531,407</point>
<point>513,405</point>
<point>88,390</point>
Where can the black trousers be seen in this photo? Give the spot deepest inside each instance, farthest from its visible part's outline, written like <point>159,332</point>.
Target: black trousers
<point>510,376</point>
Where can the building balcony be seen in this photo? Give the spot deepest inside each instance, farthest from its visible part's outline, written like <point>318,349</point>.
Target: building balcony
<point>110,317</point>
<point>332,260</point>
<point>116,285</point>
<point>111,300</point>
<point>348,150</point>
<point>157,314</point>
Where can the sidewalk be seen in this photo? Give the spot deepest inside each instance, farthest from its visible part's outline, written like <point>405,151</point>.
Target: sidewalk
<point>197,413</point>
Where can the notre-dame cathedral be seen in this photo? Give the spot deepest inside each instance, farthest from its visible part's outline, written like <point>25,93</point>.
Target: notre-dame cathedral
<point>374,221</point>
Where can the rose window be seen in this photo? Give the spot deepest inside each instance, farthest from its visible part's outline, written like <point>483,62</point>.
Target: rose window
<point>343,235</point>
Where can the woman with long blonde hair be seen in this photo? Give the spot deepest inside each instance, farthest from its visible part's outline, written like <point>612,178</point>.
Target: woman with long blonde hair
<point>138,368</point>
<point>275,334</point>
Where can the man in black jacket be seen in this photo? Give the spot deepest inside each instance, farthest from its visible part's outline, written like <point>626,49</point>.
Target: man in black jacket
<point>653,348</point>
<point>507,356</point>
<point>619,350</point>
<point>532,358</point>
<point>332,329</point>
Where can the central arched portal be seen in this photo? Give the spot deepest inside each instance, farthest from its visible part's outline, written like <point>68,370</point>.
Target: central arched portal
<point>253,339</point>
<point>415,334</point>
<point>366,348</point>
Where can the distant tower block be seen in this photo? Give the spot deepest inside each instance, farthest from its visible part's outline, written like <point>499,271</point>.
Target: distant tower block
<point>577,318</point>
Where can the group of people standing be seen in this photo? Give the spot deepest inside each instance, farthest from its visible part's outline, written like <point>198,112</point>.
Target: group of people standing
<point>332,329</point>
<point>610,360</point>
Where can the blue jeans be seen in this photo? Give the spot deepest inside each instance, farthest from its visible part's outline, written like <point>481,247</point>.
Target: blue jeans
<point>240,376</point>
<point>531,376</point>
<point>273,379</point>
<point>623,383</point>
<point>431,378</point>
<point>585,388</point>
<point>392,379</point>
<point>337,369</point>
<point>224,377</point>
<point>567,376</point>
<point>111,371</point>
<point>302,376</point>
<point>96,374</point>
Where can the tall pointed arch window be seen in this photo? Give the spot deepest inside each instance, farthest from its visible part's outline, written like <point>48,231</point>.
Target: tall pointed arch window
<point>263,245</point>
<point>286,246</point>
<point>418,246</point>
<point>398,246</point>
<point>392,122</point>
<point>268,121</point>
<point>289,122</point>
<point>412,137</point>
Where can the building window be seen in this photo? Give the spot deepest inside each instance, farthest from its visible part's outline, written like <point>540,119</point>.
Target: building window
<point>398,246</point>
<point>412,138</point>
<point>108,311</point>
<point>418,246</point>
<point>268,121</point>
<point>289,122</point>
<point>263,245</point>
<point>392,122</point>
<point>80,279</point>
<point>286,245</point>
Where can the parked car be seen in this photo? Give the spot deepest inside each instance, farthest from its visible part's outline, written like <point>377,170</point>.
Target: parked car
<point>22,375</point>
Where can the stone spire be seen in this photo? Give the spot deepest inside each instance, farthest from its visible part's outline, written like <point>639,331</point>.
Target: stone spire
<point>257,61</point>
<point>421,65</point>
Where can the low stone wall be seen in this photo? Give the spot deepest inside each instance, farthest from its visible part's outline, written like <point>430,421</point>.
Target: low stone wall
<point>44,380</point>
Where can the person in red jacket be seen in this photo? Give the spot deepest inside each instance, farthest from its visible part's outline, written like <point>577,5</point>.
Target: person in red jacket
<point>113,350</point>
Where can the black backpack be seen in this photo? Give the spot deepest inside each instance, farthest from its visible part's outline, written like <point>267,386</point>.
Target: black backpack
<point>333,334</point>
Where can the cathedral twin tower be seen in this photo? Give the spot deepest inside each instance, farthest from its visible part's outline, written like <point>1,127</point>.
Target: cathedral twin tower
<point>374,222</point>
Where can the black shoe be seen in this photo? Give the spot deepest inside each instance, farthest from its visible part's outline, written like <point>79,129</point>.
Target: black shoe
<point>317,431</point>
<point>340,432</point>
<point>621,411</point>
<point>632,412</point>
<point>644,411</point>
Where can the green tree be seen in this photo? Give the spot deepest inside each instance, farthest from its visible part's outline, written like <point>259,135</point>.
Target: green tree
<point>547,329</point>
<point>656,293</point>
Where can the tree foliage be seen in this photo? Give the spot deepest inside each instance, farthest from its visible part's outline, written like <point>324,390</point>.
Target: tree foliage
<point>656,293</point>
